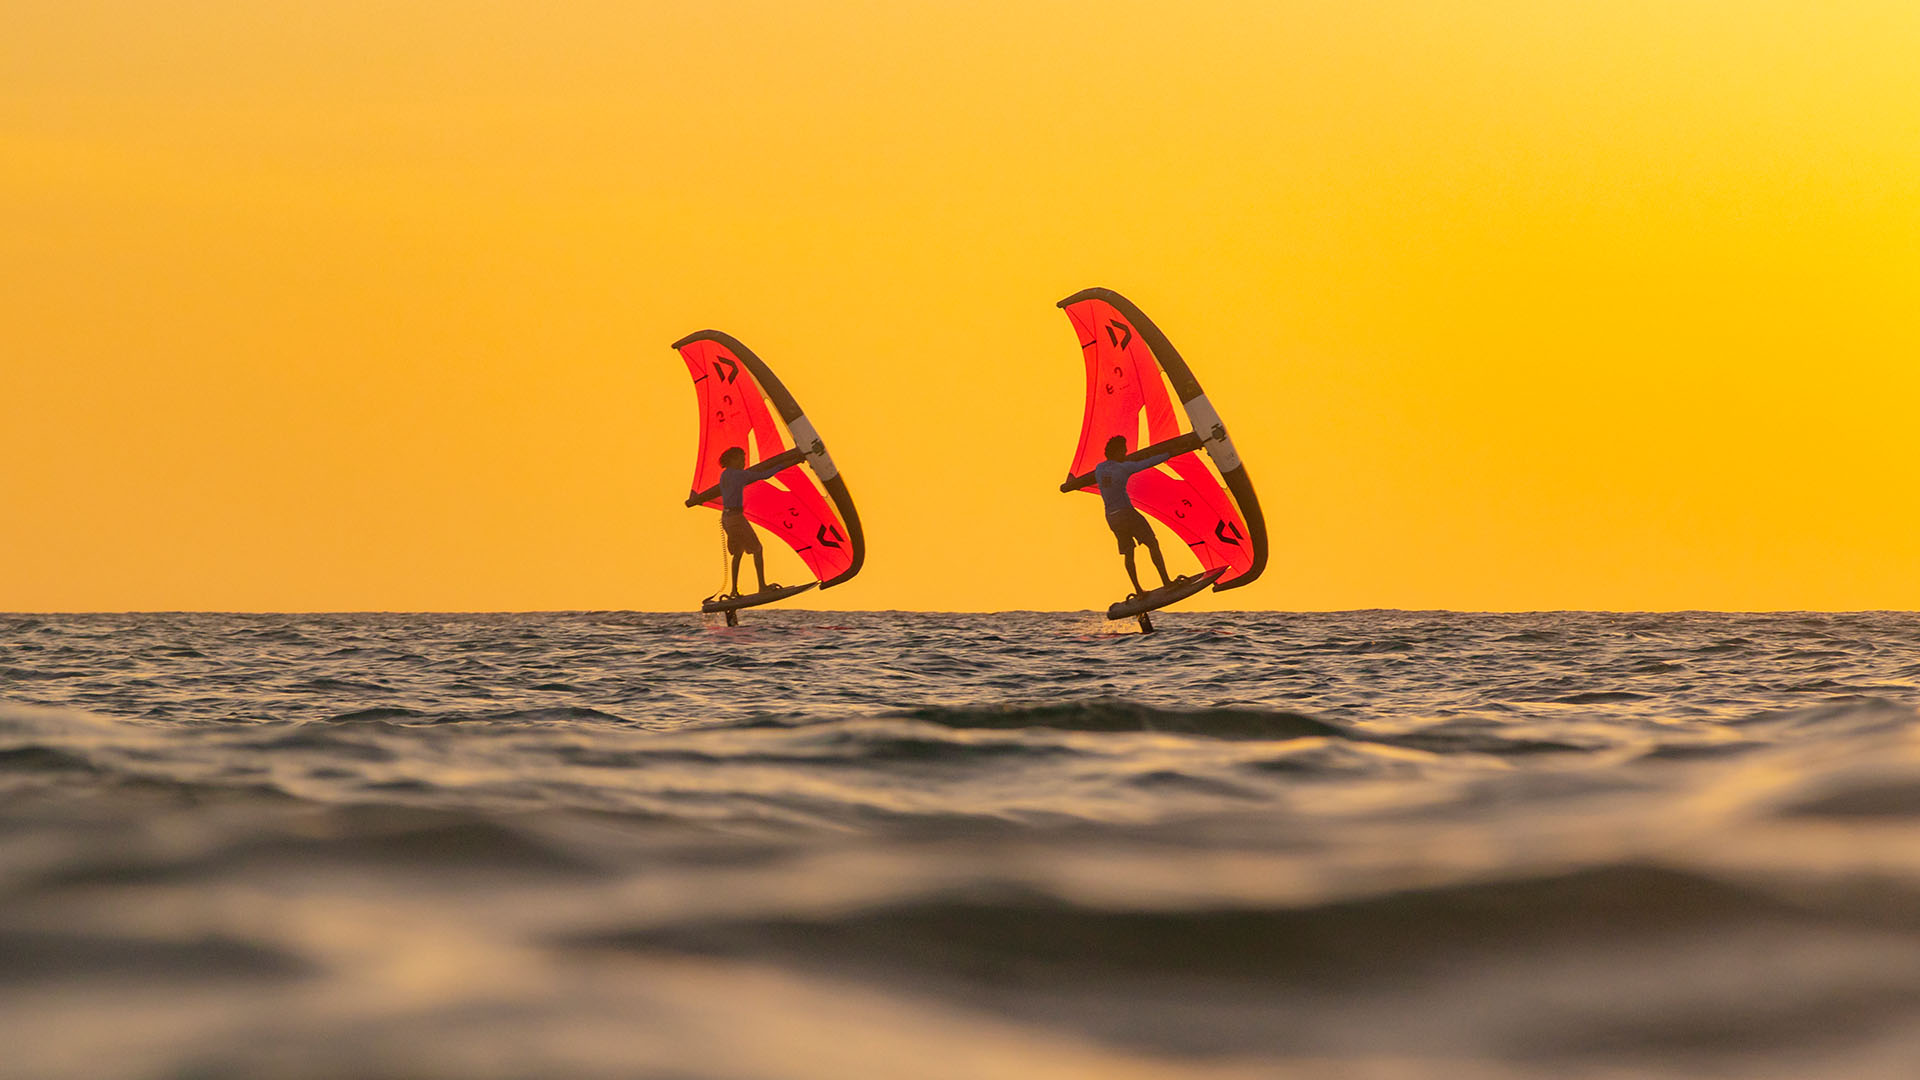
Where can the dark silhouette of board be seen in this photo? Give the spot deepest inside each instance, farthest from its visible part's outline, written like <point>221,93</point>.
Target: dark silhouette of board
<point>747,600</point>
<point>1155,599</point>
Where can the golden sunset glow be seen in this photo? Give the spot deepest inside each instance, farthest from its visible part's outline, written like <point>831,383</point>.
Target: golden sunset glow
<point>1508,304</point>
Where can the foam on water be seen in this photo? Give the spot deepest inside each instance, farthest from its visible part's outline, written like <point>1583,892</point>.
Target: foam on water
<point>831,844</point>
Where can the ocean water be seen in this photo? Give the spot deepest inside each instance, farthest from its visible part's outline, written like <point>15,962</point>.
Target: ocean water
<point>832,845</point>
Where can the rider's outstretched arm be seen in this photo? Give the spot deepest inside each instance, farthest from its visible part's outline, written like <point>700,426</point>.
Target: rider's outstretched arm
<point>1161,452</point>
<point>775,463</point>
<point>1147,456</point>
<point>759,472</point>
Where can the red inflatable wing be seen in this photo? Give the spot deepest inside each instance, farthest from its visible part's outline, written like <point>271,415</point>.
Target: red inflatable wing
<point>743,404</point>
<point>1129,364</point>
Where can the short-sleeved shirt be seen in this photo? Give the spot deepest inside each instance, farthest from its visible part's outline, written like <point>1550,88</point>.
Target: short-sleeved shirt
<point>733,487</point>
<point>1113,477</point>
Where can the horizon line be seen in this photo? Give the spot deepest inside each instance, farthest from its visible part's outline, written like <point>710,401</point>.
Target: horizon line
<point>965,611</point>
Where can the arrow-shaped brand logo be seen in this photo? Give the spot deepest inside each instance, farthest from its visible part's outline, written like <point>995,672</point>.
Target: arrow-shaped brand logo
<point>828,536</point>
<point>726,367</point>
<point>1119,333</point>
<point>1222,527</point>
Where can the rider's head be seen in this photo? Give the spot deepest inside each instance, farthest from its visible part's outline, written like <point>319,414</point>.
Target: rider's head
<point>733,457</point>
<point>1116,448</point>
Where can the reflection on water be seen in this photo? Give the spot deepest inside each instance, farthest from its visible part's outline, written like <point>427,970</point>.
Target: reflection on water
<point>829,845</point>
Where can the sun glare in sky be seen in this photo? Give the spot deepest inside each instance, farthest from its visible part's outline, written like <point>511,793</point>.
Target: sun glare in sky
<point>1508,304</point>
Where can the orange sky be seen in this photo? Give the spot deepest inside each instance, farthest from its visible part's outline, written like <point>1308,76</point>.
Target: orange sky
<point>350,305</point>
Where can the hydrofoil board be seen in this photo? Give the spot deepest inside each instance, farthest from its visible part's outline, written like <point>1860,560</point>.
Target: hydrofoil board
<point>1155,599</point>
<point>747,600</point>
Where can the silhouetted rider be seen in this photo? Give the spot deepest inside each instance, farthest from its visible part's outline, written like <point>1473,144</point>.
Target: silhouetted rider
<point>735,478</point>
<point>1129,525</point>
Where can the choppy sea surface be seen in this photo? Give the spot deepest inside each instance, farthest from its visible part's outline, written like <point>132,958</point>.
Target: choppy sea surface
<point>829,845</point>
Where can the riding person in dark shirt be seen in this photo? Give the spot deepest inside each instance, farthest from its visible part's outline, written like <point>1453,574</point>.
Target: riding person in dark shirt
<point>1128,524</point>
<point>735,478</point>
